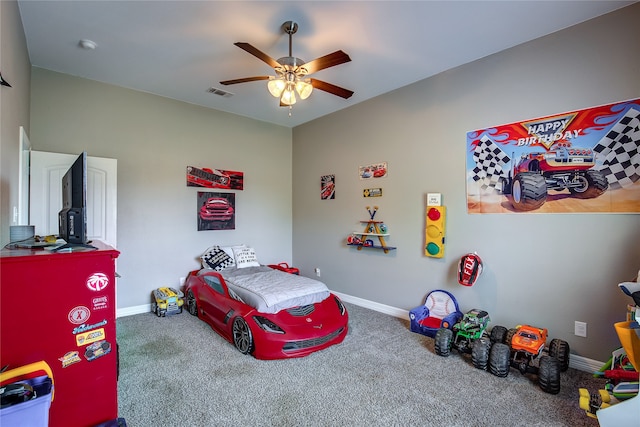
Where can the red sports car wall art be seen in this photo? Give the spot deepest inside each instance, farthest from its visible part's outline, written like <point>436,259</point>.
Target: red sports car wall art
<point>216,211</point>
<point>214,178</point>
<point>303,320</point>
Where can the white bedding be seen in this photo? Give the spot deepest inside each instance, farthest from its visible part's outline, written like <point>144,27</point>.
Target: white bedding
<point>269,290</point>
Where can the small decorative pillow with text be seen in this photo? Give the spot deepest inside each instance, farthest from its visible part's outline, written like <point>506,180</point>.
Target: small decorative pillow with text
<point>245,257</point>
<point>217,259</point>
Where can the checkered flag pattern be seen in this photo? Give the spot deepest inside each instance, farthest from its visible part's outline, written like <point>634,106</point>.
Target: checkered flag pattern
<point>217,259</point>
<point>490,162</point>
<point>621,164</point>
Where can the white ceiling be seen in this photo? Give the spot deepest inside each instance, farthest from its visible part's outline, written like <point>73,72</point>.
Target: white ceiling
<point>179,49</point>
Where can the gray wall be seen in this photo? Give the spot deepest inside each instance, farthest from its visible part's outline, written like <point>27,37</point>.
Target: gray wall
<point>14,109</point>
<point>545,269</point>
<point>154,139</point>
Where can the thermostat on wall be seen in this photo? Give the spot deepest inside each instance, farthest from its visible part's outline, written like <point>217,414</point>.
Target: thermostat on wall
<point>434,199</point>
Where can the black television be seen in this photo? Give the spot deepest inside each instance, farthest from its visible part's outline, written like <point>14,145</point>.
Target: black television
<point>72,219</point>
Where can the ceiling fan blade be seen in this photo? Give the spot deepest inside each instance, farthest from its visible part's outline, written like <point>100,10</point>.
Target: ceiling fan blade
<point>244,80</point>
<point>332,89</point>
<point>258,54</point>
<point>331,60</point>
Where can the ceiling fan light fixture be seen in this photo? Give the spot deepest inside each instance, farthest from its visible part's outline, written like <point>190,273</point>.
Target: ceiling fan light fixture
<point>304,89</point>
<point>291,72</point>
<point>276,86</point>
<point>288,95</point>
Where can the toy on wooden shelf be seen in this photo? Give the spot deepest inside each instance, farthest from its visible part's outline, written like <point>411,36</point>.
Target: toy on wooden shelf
<point>372,228</point>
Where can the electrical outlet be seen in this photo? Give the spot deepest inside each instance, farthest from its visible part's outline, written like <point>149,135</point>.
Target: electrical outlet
<point>580,329</point>
<point>317,270</point>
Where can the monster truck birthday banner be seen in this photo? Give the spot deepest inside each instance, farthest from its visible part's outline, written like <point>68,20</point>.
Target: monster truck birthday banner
<point>581,161</point>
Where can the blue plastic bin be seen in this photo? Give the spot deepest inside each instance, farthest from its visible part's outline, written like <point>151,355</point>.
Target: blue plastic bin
<point>33,413</point>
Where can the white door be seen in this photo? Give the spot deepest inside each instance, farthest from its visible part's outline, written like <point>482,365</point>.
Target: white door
<point>23,179</point>
<point>45,194</point>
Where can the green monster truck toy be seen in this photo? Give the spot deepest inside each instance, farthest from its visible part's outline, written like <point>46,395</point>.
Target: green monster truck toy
<point>468,336</point>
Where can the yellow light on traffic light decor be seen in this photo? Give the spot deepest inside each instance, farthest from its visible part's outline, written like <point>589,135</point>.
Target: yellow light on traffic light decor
<point>434,233</point>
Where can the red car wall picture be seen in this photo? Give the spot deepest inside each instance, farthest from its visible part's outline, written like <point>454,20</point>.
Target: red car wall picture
<point>376,170</point>
<point>327,187</point>
<point>216,211</point>
<point>214,178</point>
<point>581,161</point>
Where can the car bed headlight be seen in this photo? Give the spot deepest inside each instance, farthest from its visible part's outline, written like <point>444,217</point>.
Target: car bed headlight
<point>267,325</point>
<point>341,306</point>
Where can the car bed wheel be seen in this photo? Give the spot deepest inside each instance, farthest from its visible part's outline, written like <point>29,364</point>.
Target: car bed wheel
<point>242,337</point>
<point>192,306</point>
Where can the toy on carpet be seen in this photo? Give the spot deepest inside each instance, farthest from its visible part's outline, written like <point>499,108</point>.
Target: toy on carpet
<point>440,310</point>
<point>619,403</point>
<point>618,371</point>
<point>521,347</point>
<point>469,335</point>
<point>166,300</point>
<point>469,269</point>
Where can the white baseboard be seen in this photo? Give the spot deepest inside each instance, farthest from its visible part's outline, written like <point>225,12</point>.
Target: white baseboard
<point>576,362</point>
<point>130,311</point>
<point>584,364</point>
<point>381,308</point>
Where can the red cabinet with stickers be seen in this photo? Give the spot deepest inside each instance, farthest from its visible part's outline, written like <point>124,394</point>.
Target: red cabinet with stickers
<point>61,308</point>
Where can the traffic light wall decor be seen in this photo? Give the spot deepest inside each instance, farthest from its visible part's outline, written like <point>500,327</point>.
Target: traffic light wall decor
<point>435,231</point>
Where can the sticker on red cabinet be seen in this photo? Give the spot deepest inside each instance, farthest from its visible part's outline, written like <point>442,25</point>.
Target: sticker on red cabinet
<point>100,303</point>
<point>97,282</point>
<point>70,358</point>
<point>78,315</point>
<point>96,350</point>
<point>90,337</point>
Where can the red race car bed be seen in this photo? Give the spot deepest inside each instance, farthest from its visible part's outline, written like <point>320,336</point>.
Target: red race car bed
<point>267,313</point>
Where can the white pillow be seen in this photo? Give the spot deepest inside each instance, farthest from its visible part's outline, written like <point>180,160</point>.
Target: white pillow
<point>229,249</point>
<point>245,257</point>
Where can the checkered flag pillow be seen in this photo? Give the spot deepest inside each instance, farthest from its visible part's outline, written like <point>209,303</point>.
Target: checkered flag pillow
<point>490,161</point>
<point>621,164</point>
<point>217,259</point>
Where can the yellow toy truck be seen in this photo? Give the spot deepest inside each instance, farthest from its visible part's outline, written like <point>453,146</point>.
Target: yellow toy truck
<point>166,300</point>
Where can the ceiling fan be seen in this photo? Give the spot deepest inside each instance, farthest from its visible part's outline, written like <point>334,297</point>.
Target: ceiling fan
<point>291,72</point>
